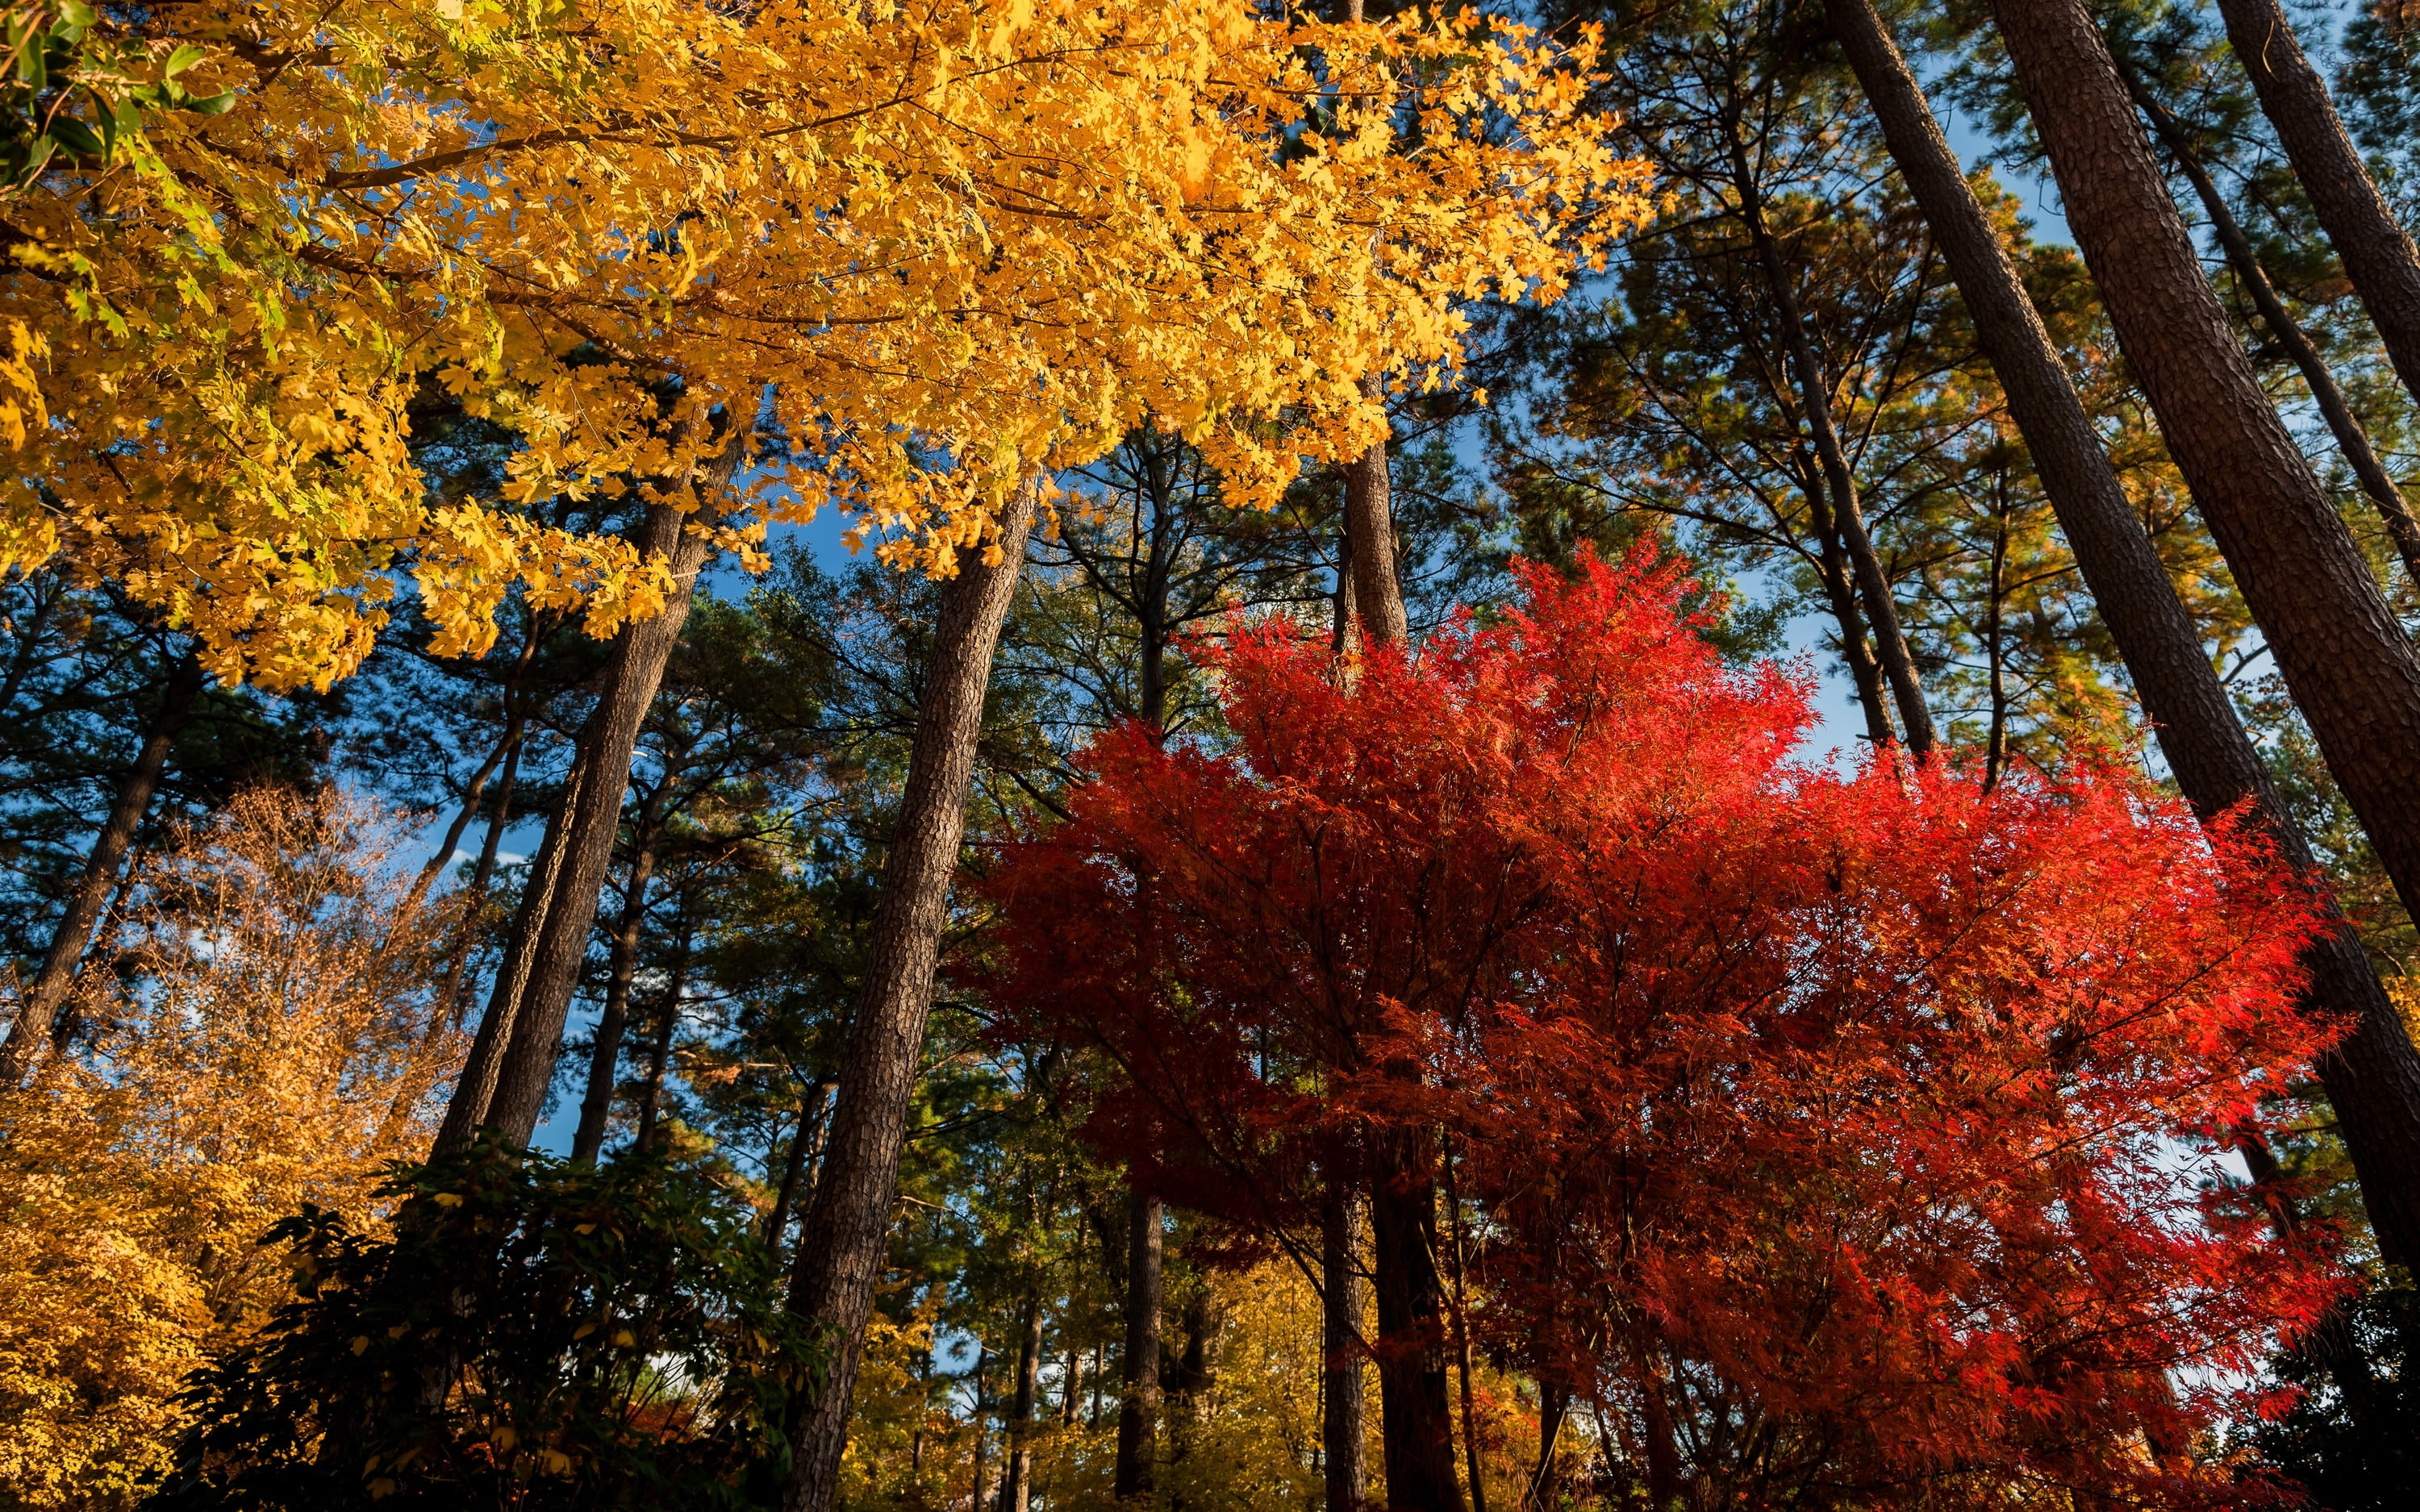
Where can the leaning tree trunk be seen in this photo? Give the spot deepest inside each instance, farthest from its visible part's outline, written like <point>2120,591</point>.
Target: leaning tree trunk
<point>2345,659</point>
<point>2351,441</point>
<point>519,1039</point>
<point>39,1008</point>
<point>1342,1439</point>
<point>594,817</point>
<point>2377,253</point>
<point>840,1251</point>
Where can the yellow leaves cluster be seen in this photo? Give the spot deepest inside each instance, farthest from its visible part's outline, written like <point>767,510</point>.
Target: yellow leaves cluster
<point>937,249</point>
<point>272,1041</point>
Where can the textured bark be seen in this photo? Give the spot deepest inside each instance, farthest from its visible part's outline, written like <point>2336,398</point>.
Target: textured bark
<point>1342,1434</point>
<point>594,817</point>
<point>38,1011</point>
<point>840,1258</point>
<point>2345,660</point>
<point>605,1054</point>
<point>513,1056</point>
<point>1847,514</point>
<point>1138,1407</point>
<point>1377,598</point>
<point>1016,1447</point>
<point>2351,441</point>
<point>2377,253</point>
<point>1416,1415</point>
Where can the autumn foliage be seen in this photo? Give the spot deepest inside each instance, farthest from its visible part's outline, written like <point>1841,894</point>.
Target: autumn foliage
<point>269,1037</point>
<point>1849,1132</point>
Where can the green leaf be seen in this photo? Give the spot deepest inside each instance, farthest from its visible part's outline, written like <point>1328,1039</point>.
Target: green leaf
<point>31,70</point>
<point>218,104</point>
<point>77,137</point>
<point>77,13</point>
<point>182,58</point>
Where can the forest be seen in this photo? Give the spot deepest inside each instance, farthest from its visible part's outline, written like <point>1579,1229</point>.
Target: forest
<point>1199,755</point>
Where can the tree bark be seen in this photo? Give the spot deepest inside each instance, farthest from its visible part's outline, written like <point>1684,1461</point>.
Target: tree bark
<point>1370,532</point>
<point>1138,1407</point>
<point>1416,1417</point>
<point>840,1259</point>
<point>38,1011</point>
<point>2350,439</point>
<point>605,1056</point>
<point>1342,1437</point>
<point>1848,513</point>
<point>2375,1077</point>
<point>2377,253</point>
<point>1016,1449</point>
<point>594,815</point>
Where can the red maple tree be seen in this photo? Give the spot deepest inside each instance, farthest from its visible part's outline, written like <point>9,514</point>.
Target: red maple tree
<point>1827,1138</point>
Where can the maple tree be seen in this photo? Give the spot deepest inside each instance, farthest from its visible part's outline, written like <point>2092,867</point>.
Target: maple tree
<point>1907,1066</point>
<point>994,235</point>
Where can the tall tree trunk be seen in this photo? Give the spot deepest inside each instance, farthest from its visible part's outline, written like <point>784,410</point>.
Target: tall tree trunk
<point>2377,252</point>
<point>1416,1411</point>
<point>594,815</point>
<point>1138,1407</point>
<point>1848,513</point>
<point>984,1481</point>
<point>1016,1448</point>
<point>38,1011</point>
<point>605,1054</point>
<point>2351,441</point>
<point>2374,1079</point>
<point>1343,1437</point>
<point>1416,1425</point>
<point>840,1258</point>
<point>1340,630</point>
<point>1553,1405</point>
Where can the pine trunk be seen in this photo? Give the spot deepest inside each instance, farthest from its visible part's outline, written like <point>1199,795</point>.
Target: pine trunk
<point>1344,1440</point>
<point>2376,251</point>
<point>2351,441</point>
<point>1139,1409</point>
<point>593,816</point>
<point>2345,659</point>
<point>38,1011</point>
<point>1414,1402</point>
<point>841,1254</point>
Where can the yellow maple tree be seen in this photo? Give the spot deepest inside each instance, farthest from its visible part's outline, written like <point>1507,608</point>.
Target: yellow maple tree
<point>937,249</point>
<point>265,1041</point>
